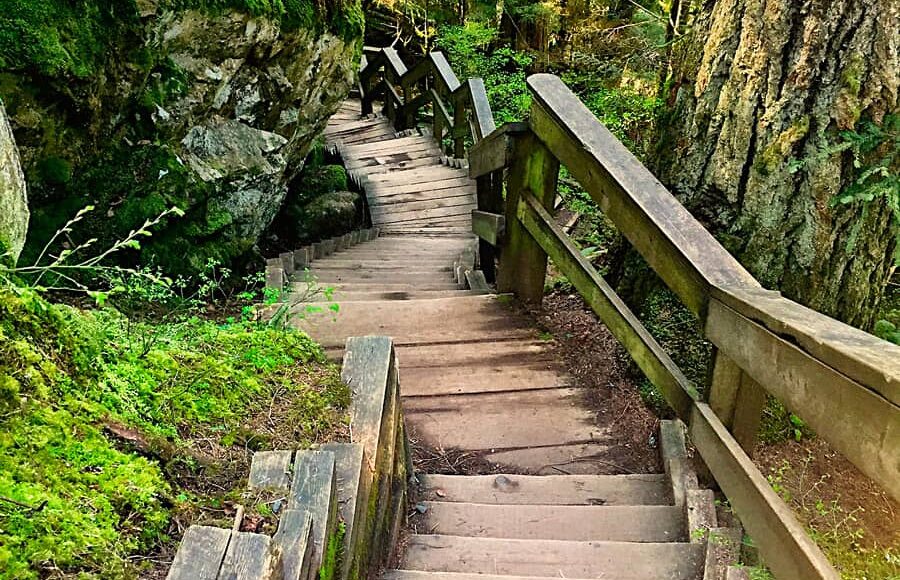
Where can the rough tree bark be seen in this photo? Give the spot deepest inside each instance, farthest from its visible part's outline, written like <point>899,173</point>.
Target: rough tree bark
<point>759,85</point>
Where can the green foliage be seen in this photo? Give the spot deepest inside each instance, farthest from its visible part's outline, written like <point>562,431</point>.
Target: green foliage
<point>72,38</point>
<point>55,170</point>
<point>60,37</point>
<point>471,51</point>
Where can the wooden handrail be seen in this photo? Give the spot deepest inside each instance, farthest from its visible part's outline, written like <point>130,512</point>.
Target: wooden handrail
<point>843,382</point>
<point>461,109</point>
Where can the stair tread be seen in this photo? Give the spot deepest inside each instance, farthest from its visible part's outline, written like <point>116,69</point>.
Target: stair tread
<point>596,559</point>
<point>642,523</point>
<point>644,489</point>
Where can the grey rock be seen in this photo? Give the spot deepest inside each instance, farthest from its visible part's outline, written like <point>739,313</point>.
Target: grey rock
<point>14,212</point>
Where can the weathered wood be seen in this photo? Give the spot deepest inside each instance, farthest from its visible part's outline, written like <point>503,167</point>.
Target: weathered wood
<point>607,490</point>
<point>443,73</point>
<point>490,227</point>
<point>251,557</point>
<point>294,538</point>
<point>477,281</point>
<point>270,470</point>
<point>523,265</point>
<point>200,554</point>
<point>287,262</point>
<point>366,370</point>
<point>856,421</point>
<point>867,359</point>
<point>352,495</point>
<point>481,109</point>
<point>781,540</point>
<point>737,400</point>
<point>494,151</point>
<point>675,461</point>
<point>314,490</point>
<point>676,246</point>
<point>625,326</point>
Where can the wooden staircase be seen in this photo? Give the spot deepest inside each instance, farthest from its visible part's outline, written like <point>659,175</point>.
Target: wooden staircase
<point>476,377</point>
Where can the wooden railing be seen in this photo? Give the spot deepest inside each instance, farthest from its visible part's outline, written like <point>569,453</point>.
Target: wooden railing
<point>460,112</point>
<point>844,383</point>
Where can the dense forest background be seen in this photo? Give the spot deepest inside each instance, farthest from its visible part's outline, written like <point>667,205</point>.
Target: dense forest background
<point>775,123</point>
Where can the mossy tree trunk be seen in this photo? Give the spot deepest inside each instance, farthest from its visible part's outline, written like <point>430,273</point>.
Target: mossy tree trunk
<point>761,91</point>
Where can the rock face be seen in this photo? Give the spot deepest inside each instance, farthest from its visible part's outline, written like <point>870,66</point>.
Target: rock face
<point>13,197</point>
<point>212,110</point>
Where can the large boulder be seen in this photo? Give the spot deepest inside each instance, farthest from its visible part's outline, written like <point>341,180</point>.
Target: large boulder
<point>208,106</point>
<point>13,197</point>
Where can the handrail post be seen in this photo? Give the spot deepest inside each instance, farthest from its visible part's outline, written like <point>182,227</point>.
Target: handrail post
<point>523,264</point>
<point>459,127</point>
<point>737,400</point>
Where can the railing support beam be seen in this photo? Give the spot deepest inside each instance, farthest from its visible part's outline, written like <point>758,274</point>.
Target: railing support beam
<point>737,400</point>
<point>523,264</point>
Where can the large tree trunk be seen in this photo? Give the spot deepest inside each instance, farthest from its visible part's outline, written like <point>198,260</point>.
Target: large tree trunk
<point>760,89</point>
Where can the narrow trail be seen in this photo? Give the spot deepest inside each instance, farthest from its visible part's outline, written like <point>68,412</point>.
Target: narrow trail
<point>476,377</point>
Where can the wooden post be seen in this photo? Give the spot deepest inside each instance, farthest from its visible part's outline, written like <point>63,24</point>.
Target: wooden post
<point>489,190</point>
<point>459,122</point>
<point>737,400</point>
<point>523,265</point>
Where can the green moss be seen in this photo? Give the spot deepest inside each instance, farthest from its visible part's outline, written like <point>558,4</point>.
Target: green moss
<point>54,170</point>
<point>331,560</point>
<point>87,506</point>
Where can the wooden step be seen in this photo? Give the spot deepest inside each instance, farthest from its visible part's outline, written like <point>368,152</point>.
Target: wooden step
<point>619,560</point>
<point>421,575</point>
<point>654,523</point>
<point>339,276</point>
<point>337,261</point>
<point>607,490</point>
<point>521,375</point>
<point>298,288</point>
<point>541,422</point>
<point>420,321</point>
<point>350,296</point>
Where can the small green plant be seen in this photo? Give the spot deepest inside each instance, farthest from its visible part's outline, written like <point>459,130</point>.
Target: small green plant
<point>331,561</point>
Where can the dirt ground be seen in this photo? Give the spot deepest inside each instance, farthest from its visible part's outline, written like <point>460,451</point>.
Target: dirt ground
<point>829,493</point>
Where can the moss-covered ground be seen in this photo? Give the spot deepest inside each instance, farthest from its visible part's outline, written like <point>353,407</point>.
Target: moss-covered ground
<point>115,433</point>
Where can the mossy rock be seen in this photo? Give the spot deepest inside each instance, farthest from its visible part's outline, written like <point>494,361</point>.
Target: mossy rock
<point>328,215</point>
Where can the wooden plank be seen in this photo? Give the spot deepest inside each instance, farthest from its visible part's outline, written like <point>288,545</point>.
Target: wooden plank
<point>607,490</point>
<point>858,422</point>
<point>603,300</point>
<point>553,558</point>
<point>495,150</point>
<point>490,227</point>
<point>384,190</point>
<point>781,539</point>
<point>400,206</point>
<point>451,195</point>
<point>368,362</point>
<point>737,400</point>
<point>352,494</point>
<point>394,215</point>
<point>523,264</point>
<point>443,72</point>
<point>477,281</point>
<point>270,470</point>
<point>867,359</point>
<point>200,554</point>
<point>680,250</point>
<point>481,421</point>
<point>294,538</point>
<point>250,557</point>
<point>421,175</point>
<point>481,109</point>
<point>657,523</point>
<point>314,491</point>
